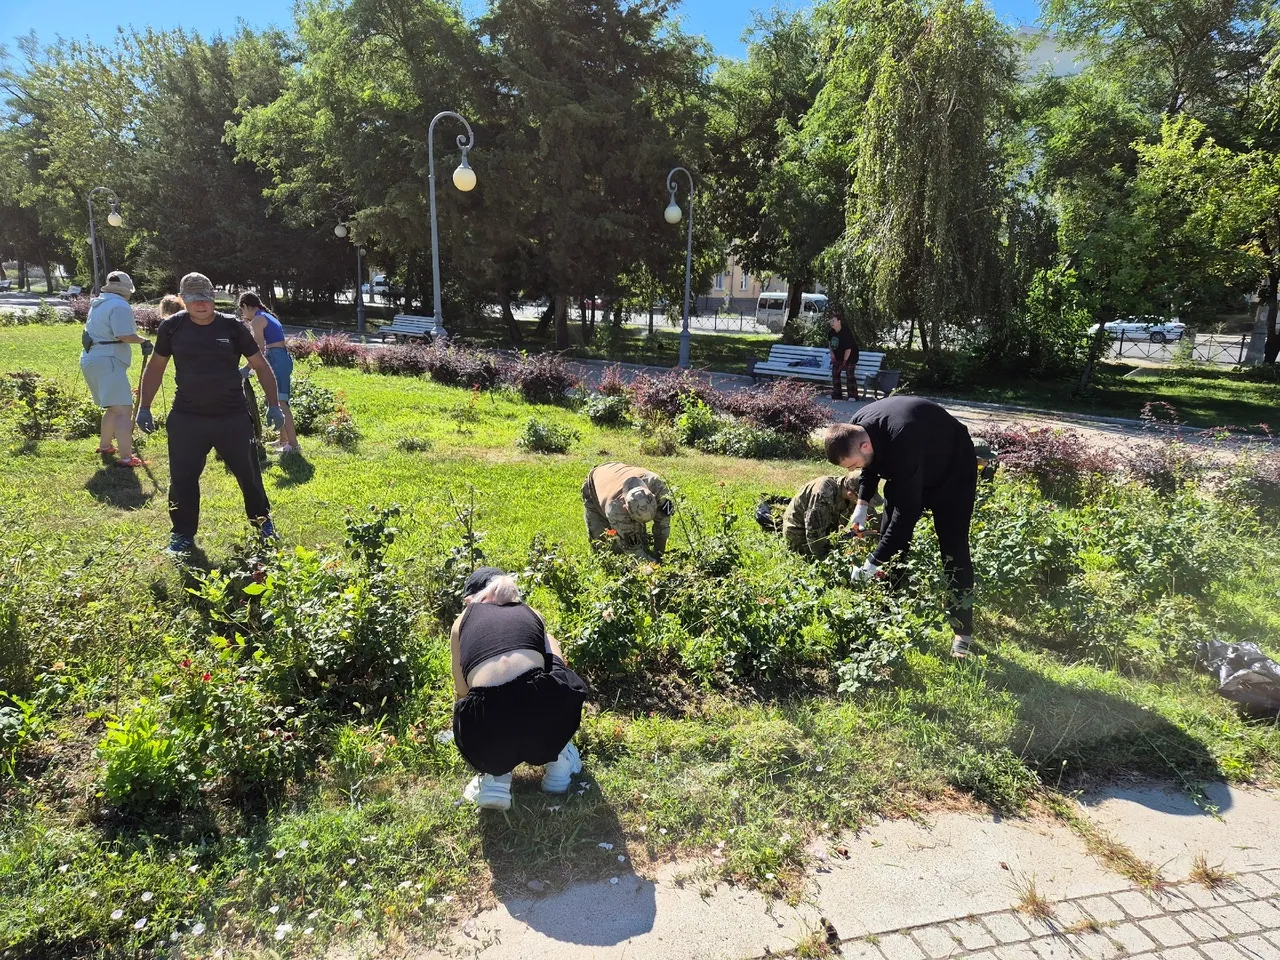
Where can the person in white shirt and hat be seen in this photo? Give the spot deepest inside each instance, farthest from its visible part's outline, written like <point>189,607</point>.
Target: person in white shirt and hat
<point>108,333</point>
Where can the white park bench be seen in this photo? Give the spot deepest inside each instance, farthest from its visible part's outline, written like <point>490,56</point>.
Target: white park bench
<point>6,286</point>
<point>814,363</point>
<point>410,327</point>
<point>70,293</point>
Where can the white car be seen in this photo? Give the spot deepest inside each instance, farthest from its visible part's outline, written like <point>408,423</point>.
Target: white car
<point>1155,329</point>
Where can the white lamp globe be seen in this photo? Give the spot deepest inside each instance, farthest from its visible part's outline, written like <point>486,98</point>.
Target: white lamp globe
<point>115,219</point>
<point>340,231</point>
<point>464,178</point>
<point>673,213</point>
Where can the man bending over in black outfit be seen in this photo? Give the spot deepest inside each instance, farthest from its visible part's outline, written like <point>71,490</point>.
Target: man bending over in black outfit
<point>926,457</point>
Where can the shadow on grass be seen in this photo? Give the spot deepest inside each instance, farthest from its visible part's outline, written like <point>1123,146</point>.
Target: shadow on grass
<point>120,487</point>
<point>1072,732</point>
<point>297,470</point>
<point>544,843</point>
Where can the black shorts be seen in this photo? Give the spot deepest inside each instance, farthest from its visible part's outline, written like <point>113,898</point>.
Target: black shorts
<point>525,720</point>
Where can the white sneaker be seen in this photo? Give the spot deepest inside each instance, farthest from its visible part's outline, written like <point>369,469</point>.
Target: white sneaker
<point>557,774</point>
<point>489,792</point>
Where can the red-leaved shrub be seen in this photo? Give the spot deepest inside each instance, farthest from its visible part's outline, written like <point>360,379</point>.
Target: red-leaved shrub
<point>612,382</point>
<point>462,366</point>
<point>663,396</point>
<point>147,318</point>
<point>406,360</point>
<point>787,406</point>
<point>335,350</point>
<point>300,347</point>
<point>542,378</point>
<point>1060,461</point>
<point>79,308</point>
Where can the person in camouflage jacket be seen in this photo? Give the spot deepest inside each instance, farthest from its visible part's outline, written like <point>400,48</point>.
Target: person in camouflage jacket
<point>818,512</point>
<point>619,502</point>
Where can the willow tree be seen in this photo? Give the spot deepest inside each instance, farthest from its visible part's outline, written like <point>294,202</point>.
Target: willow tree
<point>925,88</point>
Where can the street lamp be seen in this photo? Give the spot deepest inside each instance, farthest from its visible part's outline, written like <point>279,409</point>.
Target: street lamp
<point>341,231</point>
<point>113,218</point>
<point>672,215</point>
<point>464,178</point>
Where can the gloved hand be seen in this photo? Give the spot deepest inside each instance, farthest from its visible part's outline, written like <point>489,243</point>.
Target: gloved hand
<point>868,571</point>
<point>275,417</point>
<point>147,348</point>
<point>859,519</point>
<point>244,372</point>
<point>146,422</point>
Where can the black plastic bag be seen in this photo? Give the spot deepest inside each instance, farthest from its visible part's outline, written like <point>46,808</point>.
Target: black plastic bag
<point>769,512</point>
<point>1245,675</point>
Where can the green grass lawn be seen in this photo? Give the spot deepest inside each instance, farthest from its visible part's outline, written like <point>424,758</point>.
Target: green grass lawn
<point>673,766</point>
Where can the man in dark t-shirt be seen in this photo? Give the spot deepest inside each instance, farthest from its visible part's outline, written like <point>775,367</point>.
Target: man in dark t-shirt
<point>844,357</point>
<point>209,410</point>
<point>927,460</point>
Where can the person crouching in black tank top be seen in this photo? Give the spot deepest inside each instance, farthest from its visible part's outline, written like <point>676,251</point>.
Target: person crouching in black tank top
<point>517,702</point>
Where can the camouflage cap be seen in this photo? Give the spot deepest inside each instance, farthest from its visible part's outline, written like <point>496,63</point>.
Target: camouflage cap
<point>641,504</point>
<point>195,286</point>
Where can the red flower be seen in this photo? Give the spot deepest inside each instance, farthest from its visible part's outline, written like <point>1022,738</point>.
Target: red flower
<point>207,677</point>
<point>186,663</point>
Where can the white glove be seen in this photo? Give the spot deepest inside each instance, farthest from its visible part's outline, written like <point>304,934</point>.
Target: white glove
<point>860,515</point>
<point>867,571</point>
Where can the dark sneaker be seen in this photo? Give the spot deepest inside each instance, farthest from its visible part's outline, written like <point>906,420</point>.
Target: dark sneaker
<point>268,532</point>
<point>961,646</point>
<point>180,545</point>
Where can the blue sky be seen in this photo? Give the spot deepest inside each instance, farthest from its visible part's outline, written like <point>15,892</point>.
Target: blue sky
<point>721,21</point>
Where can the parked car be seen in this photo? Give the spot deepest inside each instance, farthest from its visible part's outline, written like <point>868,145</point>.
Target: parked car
<point>1155,329</point>
<point>771,309</point>
<point>381,286</point>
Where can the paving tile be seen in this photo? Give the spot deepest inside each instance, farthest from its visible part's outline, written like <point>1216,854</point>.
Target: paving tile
<point>1202,897</point>
<point>1235,920</point>
<point>1221,950</point>
<point>935,941</point>
<point>1068,915</point>
<point>1051,948</point>
<point>1175,900</point>
<point>1202,926</point>
<point>1137,905</point>
<point>1016,951</point>
<point>1259,948</point>
<point>1095,946</point>
<point>1258,884</point>
<point>1266,913</point>
<point>898,946</point>
<point>1131,937</point>
<point>972,935</point>
<point>1166,931</point>
<point>1181,953</point>
<point>1006,927</point>
<point>1103,909</point>
<point>982,955</point>
<point>1273,876</point>
<point>859,950</point>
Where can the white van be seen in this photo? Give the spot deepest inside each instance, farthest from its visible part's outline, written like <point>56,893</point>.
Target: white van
<point>771,308</point>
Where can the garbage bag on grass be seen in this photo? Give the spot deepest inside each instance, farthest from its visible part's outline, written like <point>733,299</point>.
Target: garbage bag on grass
<point>1245,675</point>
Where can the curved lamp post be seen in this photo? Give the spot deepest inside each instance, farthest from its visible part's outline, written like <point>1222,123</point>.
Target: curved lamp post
<point>113,218</point>
<point>341,231</point>
<point>672,214</point>
<point>464,178</point>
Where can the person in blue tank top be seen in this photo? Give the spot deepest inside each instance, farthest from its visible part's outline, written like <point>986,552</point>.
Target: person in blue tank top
<point>269,333</point>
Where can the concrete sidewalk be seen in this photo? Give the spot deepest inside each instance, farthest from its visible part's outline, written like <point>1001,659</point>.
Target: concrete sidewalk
<point>901,890</point>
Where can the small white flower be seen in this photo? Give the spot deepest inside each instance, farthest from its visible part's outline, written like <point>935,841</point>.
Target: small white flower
<point>194,868</point>
<point>273,909</point>
<point>342,884</point>
<point>367,886</point>
<point>447,898</point>
<point>621,858</point>
<point>197,929</point>
<point>662,830</point>
<point>93,894</point>
<point>819,769</point>
<point>351,862</point>
<point>358,914</point>
<point>64,867</point>
<point>313,914</point>
<point>147,896</point>
<point>283,930</point>
<point>140,924</point>
<point>605,846</point>
<point>303,844</point>
<point>403,885</point>
<point>309,931</point>
<point>768,876</point>
<point>554,808</point>
<point>117,914</point>
<point>431,901</point>
<point>417,886</point>
<point>613,880</point>
<point>369,839</point>
<point>785,838</point>
<point>279,854</point>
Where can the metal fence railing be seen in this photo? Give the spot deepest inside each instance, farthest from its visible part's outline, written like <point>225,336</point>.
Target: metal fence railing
<point>1216,349</point>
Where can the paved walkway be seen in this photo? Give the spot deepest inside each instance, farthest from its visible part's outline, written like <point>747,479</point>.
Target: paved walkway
<point>956,887</point>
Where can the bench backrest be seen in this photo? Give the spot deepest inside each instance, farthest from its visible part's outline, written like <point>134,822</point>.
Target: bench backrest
<point>73,291</point>
<point>782,353</point>
<point>419,326</point>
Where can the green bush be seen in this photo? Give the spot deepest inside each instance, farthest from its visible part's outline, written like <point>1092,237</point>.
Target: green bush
<point>608,411</point>
<point>658,439</point>
<point>415,444</point>
<point>19,722</point>
<point>756,443</point>
<point>698,424</point>
<point>544,436</point>
<point>145,772</point>
<point>312,405</point>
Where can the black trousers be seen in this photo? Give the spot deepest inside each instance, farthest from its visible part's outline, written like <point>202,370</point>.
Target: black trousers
<point>952,514</point>
<point>191,437</point>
